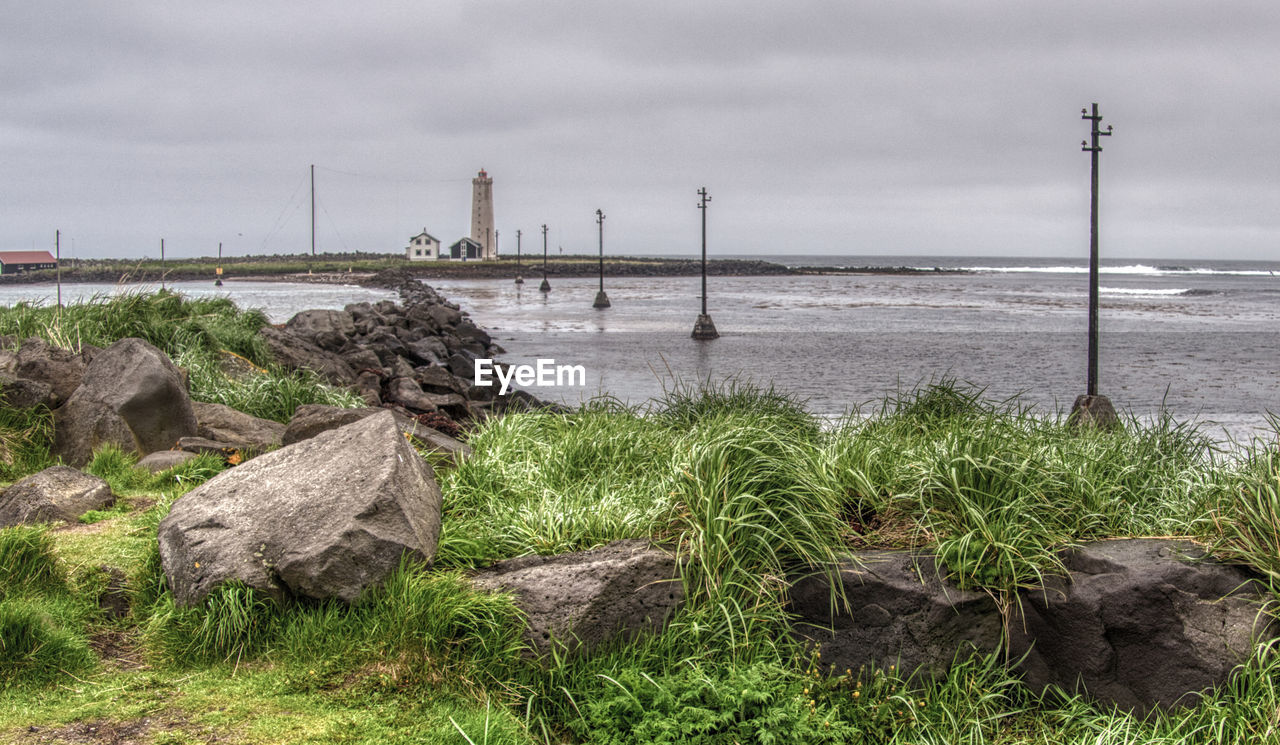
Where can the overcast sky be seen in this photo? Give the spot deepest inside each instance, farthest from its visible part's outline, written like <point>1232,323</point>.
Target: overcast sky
<point>832,127</point>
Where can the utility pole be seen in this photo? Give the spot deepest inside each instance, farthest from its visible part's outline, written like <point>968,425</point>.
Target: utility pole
<point>519,269</point>
<point>313,211</point>
<point>162,263</point>
<point>1093,409</point>
<point>602,300</point>
<point>57,261</point>
<point>218,281</point>
<point>545,286</point>
<point>704,329</point>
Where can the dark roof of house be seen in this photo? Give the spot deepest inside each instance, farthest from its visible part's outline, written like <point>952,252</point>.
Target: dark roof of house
<point>466,240</point>
<point>428,235</point>
<point>26,257</point>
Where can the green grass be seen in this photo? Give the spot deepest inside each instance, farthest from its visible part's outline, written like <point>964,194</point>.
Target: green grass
<point>747,488</point>
<point>197,334</point>
<point>26,435</point>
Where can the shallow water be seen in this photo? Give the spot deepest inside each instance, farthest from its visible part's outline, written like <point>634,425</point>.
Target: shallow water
<point>1199,339</point>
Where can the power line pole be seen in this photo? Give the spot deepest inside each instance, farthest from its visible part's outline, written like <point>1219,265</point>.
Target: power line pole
<point>313,211</point>
<point>519,269</point>
<point>545,286</point>
<point>1092,408</point>
<point>704,328</point>
<point>218,281</point>
<point>57,261</point>
<point>162,263</point>
<point>602,300</point>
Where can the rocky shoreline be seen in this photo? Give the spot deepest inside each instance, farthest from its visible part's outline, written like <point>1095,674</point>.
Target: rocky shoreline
<point>359,268</point>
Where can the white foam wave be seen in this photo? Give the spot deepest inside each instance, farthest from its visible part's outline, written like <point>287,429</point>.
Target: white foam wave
<point>1143,291</point>
<point>1135,269</point>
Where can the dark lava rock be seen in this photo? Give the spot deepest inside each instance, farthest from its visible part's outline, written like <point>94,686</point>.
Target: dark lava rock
<point>57,493</point>
<point>1140,623</point>
<point>579,600</point>
<point>900,612</point>
<point>131,395</point>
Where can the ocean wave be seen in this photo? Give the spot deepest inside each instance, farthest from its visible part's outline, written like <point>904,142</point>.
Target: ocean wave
<point>1134,269</point>
<point>1149,292</point>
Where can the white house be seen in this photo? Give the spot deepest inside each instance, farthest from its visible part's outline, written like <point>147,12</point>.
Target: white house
<point>423,247</point>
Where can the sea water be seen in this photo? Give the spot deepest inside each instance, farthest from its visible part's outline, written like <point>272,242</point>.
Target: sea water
<point>1198,339</point>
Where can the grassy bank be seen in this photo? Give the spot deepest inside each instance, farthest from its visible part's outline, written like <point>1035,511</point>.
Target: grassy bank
<point>213,340</point>
<point>740,479</point>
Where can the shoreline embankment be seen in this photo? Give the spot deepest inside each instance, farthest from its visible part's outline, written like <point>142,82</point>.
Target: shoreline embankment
<point>349,268</point>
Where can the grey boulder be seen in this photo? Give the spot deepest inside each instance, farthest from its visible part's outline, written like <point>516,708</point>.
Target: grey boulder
<point>224,424</point>
<point>1140,623</point>
<point>57,493</point>
<point>328,518</point>
<point>131,395</point>
<point>61,369</point>
<point>900,612</point>
<point>163,460</point>
<point>579,600</point>
<point>298,353</point>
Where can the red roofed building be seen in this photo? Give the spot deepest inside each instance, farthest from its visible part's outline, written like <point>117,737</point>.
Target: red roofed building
<point>13,262</point>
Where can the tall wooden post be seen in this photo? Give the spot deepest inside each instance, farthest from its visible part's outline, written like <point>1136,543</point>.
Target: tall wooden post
<point>545,286</point>
<point>602,300</point>
<point>1093,409</point>
<point>704,328</point>
<point>519,269</point>
<point>57,261</point>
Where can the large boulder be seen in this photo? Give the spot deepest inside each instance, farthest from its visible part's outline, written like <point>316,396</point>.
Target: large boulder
<point>1140,623</point>
<point>58,493</point>
<point>61,369</point>
<point>900,612</point>
<point>580,600</point>
<point>311,324</point>
<point>327,519</point>
<point>296,353</point>
<point>225,424</point>
<point>131,395</point>
<point>24,393</point>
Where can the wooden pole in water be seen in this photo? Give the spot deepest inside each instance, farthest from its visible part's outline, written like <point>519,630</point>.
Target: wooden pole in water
<point>545,286</point>
<point>519,269</point>
<point>602,300</point>
<point>703,328</point>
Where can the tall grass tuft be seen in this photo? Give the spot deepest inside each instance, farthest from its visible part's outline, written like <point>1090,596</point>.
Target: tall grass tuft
<point>1248,519</point>
<point>37,647</point>
<point>28,563</point>
<point>747,522</point>
<point>26,435</point>
<point>234,622</point>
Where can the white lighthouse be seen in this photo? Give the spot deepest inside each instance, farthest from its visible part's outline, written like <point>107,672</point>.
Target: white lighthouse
<point>482,215</point>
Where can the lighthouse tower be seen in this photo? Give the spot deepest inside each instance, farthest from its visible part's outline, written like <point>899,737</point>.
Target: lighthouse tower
<point>482,215</point>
